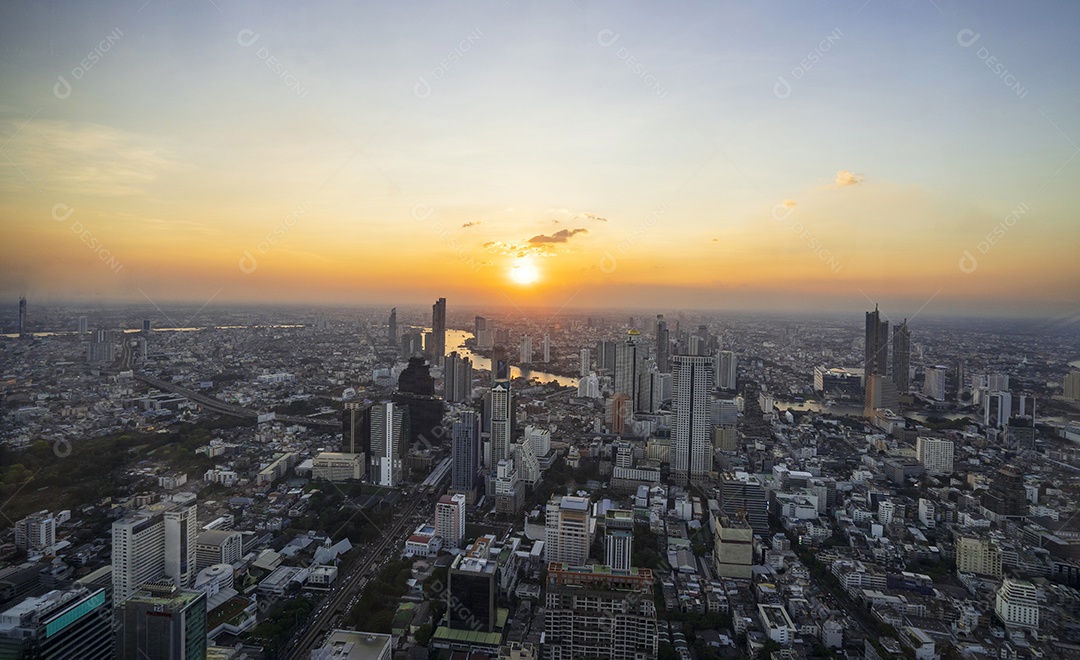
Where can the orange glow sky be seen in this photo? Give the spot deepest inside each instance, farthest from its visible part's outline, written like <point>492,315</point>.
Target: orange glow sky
<point>398,156</point>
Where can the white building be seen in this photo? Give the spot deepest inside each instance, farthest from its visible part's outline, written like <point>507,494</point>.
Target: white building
<point>691,438</point>
<point>725,370</point>
<point>450,519</point>
<point>1017,603</point>
<point>618,549</point>
<point>337,466</point>
<point>935,454</point>
<point>927,513</point>
<point>158,541</point>
<point>388,444</point>
<point>568,532</point>
<point>934,382</point>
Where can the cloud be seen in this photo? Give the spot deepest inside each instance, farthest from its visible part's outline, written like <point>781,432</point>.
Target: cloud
<point>561,236</point>
<point>589,216</point>
<point>470,224</point>
<point>845,178</point>
<point>789,204</point>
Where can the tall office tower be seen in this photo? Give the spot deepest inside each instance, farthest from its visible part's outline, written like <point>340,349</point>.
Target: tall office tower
<point>726,364</point>
<point>733,548</point>
<point>465,455</point>
<point>147,326</point>
<point>599,613</point>
<point>472,589</point>
<point>628,359</point>
<point>877,345</point>
<point>389,433</point>
<point>412,344</point>
<point>619,413</point>
<point>881,393</point>
<point>526,349</point>
<point>438,330</point>
<point>74,623</point>
<point>540,440</point>
<point>457,378</point>
<point>901,357</point>
<point>567,530</point>
<point>742,496</point>
<point>618,549</point>
<point>479,325</point>
<point>416,393</point>
<point>935,454</point>
<point>525,461</point>
<point>82,325</point>
<point>391,328</point>
<point>1007,497</point>
<point>547,348</point>
<point>934,382</point>
<point>151,543</point>
<point>650,389</point>
<point>997,382</point>
<point>102,348</point>
<point>181,537</point>
<point>585,363</point>
<point>663,345</point>
<point>605,356</point>
<point>22,317</point>
<point>161,621</point>
<point>725,412</point>
<point>356,427</point>
<point>997,408</point>
<point>691,439</point>
<point>450,519</point>
<point>589,386</point>
<point>501,420</point>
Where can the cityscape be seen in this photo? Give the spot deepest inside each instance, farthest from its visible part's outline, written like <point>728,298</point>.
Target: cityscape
<point>505,330</point>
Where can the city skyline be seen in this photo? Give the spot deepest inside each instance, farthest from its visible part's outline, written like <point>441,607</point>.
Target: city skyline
<point>768,158</point>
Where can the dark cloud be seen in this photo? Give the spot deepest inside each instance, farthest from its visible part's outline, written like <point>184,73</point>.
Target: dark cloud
<point>561,236</point>
<point>470,224</point>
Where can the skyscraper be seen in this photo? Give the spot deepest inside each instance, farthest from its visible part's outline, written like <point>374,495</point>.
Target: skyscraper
<point>389,431</point>
<point>450,519</point>
<point>457,378</point>
<point>599,613</point>
<point>726,364</point>
<point>663,345</point>
<point>605,356</point>
<point>877,345</point>
<point>500,416</point>
<point>628,358</point>
<point>356,427</point>
<point>151,543</point>
<point>650,389</point>
<point>618,548</point>
<point>567,530</point>
<point>438,330</point>
<point>585,362</point>
<point>526,349</point>
<point>465,455</point>
<point>161,621</point>
<point>75,623</point>
<point>547,348</point>
<point>691,441</point>
<point>22,317</point>
<point>936,455</point>
<point>901,365</point>
<point>391,330</point>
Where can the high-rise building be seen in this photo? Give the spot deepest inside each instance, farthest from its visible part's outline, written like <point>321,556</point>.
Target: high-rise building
<point>650,389</point>
<point>22,317</point>
<point>599,612</point>
<point>479,325</point>
<point>568,530</point>
<point>934,383</point>
<point>589,386</point>
<point>691,437</point>
<point>151,543</point>
<point>618,549</point>
<point>102,348</point>
<point>36,532</point>
<point>438,330</point>
<point>526,462</point>
<point>605,356</point>
<point>935,454</point>
<point>526,349</point>
<point>356,427</point>
<point>901,359</point>
<point>547,348</point>
<point>1006,497</point>
<point>628,366</point>
<point>472,586</point>
<point>877,345</point>
<point>457,378</point>
<point>75,623</point>
<point>389,434</point>
<point>391,328</point>
<point>743,496</point>
<point>450,519</point>
<point>412,344</point>
<point>881,393</point>
<point>465,455</point>
<point>82,325</point>
<point>619,413</point>
<point>147,326</point>
<point>1017,603</point>
<point>500,420</point>
<point>585,363</point>
<point>663,345</point>
<point>979,555</point>
<point>162,621</point>
<point>218,546</point>
<point>726,363</point>
<point>540,439</point>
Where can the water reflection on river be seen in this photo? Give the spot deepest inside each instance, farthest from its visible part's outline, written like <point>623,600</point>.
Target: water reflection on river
<point>455,341</point>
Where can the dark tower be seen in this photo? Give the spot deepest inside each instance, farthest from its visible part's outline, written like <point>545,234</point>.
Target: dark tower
<point>22,317</point>
<point>877,345</point>
<point>901,357</point>
<point>438,331</point>
<point>391,332</point>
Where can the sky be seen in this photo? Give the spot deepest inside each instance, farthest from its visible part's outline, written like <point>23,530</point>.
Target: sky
<point>565,154</point>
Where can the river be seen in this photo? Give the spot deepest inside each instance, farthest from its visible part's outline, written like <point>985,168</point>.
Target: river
<point>455,341</point>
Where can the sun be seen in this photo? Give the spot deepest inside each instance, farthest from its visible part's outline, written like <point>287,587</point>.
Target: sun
<point>524,272</point>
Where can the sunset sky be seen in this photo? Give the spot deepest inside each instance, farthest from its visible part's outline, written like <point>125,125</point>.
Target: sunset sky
<point>776,155</point>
